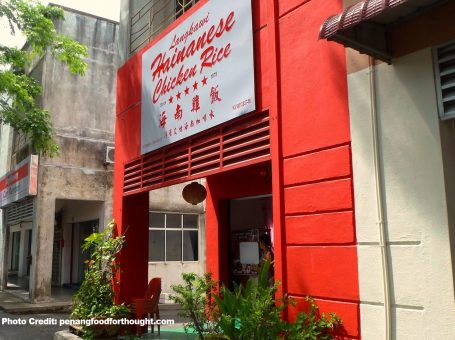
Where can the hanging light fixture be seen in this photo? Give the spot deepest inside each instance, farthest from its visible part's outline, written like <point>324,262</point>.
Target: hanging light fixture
<point>194,193</point>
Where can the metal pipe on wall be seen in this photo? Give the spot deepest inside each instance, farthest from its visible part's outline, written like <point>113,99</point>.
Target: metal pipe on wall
<point>380,201</point>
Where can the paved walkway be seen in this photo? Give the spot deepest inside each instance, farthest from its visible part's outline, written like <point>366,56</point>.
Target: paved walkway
<point>29,330</point>
<point>174,332</point>
<point>14,303</point>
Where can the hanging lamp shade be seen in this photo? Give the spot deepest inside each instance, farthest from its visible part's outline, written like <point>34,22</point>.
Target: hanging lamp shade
<point>194,193</point>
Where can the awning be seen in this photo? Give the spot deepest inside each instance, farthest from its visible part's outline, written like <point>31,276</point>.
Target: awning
<point>364,26</point>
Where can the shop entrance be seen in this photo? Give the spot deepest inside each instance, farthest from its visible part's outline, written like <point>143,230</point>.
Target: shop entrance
<point>19,255</point>
<point>238,214</point>
<point>251,235</point>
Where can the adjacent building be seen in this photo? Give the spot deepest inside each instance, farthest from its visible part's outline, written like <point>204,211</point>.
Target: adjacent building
<point>344,159</point>
<point>50,205</point>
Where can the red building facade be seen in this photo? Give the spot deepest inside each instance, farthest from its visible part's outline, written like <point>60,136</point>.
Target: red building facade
<point>295,146</point>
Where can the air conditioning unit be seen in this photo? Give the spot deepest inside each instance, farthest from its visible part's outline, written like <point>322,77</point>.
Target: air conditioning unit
<point>109,155</point>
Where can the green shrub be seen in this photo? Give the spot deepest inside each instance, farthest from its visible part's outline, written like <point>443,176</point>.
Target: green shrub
<point>248,312</point>
<point>195,296</point>
<point>313,325</point>
<point>95,297</point>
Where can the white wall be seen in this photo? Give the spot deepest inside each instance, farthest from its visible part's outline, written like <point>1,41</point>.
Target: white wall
<point>415,202</point>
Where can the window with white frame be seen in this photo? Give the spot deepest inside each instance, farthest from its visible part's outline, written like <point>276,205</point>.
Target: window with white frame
<point>173,237</point>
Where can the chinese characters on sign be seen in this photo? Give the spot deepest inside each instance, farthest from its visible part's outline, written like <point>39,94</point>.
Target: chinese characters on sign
<point>199,75</point>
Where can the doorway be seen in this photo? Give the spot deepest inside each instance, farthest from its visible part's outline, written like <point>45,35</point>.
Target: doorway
<point>19,255</point>
<point>78,270</point>
<point>250,221</point>
<point>15,252</point>
<point>78,257</point>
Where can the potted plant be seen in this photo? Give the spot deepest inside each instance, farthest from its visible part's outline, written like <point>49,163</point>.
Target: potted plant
<point>95,297</point>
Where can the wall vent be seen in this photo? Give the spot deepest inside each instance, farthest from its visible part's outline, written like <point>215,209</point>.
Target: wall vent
<point>20,212</point>
<point>240,142</point>
<point>109,155</point>
<point>444,60</point>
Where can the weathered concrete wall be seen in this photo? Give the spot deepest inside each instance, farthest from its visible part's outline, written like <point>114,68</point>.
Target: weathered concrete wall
<point>83,110</point>
<point>124,31</point>
<point>5,156</point>
<point>416,211</point>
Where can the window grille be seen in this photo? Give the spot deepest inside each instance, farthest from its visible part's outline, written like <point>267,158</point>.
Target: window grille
<point>20,212</point>
<point>152,18</point>
<point>444,60</point>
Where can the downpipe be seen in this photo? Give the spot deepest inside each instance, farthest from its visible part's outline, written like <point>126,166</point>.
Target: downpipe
<point>380,201</point>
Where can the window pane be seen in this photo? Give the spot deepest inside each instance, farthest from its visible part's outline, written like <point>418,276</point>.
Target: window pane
<point>174,246</point>
<point>190,245</point>
<point>190,221</point>
<point>156,220</point>
<point>173,220</point>
<point>156,245</point>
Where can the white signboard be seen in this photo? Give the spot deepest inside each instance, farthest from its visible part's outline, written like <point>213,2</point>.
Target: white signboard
<point>19,182</point>
<point>199,75</point>
<point>249,253</point>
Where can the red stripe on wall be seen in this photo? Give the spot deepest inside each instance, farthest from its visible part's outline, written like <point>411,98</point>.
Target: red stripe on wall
<point>15,176</point>
<point>329,163</point>
<point>319,197</point>
<point>348,312</point>
<point>323,271</point>
<point>330,228</point>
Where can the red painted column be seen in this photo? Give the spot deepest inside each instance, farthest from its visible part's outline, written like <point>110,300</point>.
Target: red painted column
<point>130,212</point>
<point>212,249</point>
<point>319,228</point>
<point>134,255</point>
<point>276,148</point>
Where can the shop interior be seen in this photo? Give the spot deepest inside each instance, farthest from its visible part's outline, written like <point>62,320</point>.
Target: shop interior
<point>250,223</point>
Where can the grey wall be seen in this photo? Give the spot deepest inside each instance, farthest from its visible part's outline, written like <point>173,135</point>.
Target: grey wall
<point>83,115</point>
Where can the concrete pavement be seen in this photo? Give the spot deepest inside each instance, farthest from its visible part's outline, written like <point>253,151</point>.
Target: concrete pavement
<point>11,303</point>
<point>29,328</point>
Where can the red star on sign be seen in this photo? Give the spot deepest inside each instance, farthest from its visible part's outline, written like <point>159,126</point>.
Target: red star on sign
<point>187,91</point>
<point>195,85</point>
<point>204,80</point>
<point>178,95</point>
<point>171,99</point>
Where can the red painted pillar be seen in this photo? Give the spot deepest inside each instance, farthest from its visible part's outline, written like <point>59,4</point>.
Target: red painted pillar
<point>212,249</point>
<point>318,234</point>
<point>130,212</point>
<point>133,274</point>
